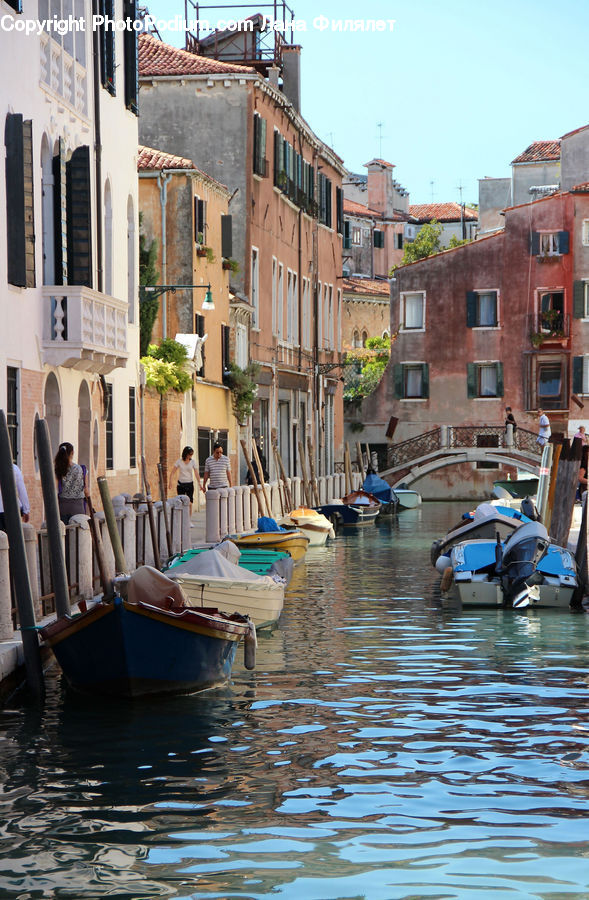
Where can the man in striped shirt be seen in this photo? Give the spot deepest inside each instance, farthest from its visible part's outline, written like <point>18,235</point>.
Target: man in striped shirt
<point>217,469</point>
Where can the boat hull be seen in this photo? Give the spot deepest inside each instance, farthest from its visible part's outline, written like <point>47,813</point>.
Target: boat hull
<point>132,650</point>
<point>294,543</point>
<point>407,499</point>
<point>263,603</point>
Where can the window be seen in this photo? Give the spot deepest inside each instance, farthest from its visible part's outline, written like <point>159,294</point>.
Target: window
<point>227,236</point>
<point>109,427</point>
<point>339,321</point>
<point>12,409</point>
<point>241,345</point>
<point>378,239</point>
<point>357,237</point>
<point>324,199</point>
<point>255,296</point>
<point>581,299</point>
<point>225,349</point>
<point>347,235</point>
<point>260,161</point>
<point>550,385</point>
<point>274,295</point>
<point>585,233</point>
<point>199,328</point>
<point>20,230</point>
<point>132,429</point>
<point>581,375</point>
<point>356,342</point>
<point>79,218</point>
<point>481,309</point>
<point>484,379</point>
<point>551,312</point>
<point>364,338</point>
<point>413,311</point>
<point>399,241</point>
<point>411,381</point>
<point>339,210</point>
<point>200,220</point>
<point>550,243</point>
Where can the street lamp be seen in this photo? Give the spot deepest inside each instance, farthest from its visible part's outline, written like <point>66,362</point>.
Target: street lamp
<point>156,290</point>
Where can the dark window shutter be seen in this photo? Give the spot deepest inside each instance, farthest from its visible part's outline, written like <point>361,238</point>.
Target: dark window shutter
<point>16,5</point>
<point>225,333</point>
<point>471,380</point>
<point>130,45</point>
<point>15,200</point>
<point>29,202</point>
<point>339,206</point>
<point>107,47</point>
<point>277,165</point>
<point>199,328</point>
<point>347,237</point>
<point>199,220</point>
<point>263,147</point>
<point>399,380</point>
<point>60,213</point>
<point>472,302</point>
<point>256,142</point>
<point>500,388</point>
<point>535,243</point>
<point>577,374</point>
<point>227,236</point>
<point>425,380</point>
<point>79,221</point>
<point>563,242</point>
<point>328,204</point>
<point>495,317</point>
<point>378,238</point>
<point>579,300</point>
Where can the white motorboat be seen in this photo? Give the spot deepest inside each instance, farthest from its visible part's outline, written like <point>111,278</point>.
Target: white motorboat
<point>314,525</point>
<point>212,579</point>
<point>406,498</point>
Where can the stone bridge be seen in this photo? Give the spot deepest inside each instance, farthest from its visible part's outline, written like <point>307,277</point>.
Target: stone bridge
<point>450,445</point>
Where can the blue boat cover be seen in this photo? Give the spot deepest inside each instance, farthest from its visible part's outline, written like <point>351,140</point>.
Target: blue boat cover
<point>374,484</point>
<point>265,523</point>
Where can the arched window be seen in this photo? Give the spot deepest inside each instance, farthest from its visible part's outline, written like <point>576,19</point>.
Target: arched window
<point>385,335</point>
<point>108,240</point>
<point>364,338</point>
<point>131,262</point>
<point>356,339</point>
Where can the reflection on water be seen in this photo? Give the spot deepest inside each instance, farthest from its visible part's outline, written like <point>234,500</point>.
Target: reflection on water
<point>384,747</point>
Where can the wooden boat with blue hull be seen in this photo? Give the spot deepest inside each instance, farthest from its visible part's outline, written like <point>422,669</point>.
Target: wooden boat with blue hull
<point>148,643</point>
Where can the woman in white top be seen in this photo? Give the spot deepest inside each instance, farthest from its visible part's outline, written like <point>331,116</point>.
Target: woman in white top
<point>187,469</point>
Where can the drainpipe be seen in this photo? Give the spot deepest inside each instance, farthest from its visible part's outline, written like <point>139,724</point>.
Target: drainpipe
<point>97,147</point>
<point>163,181</point>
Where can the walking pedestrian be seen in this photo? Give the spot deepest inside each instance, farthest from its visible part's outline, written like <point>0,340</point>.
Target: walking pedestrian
<point>187,470</point>
<point>217,470</point>
<point>544,430</point>
<point>25,506</point>
<point>72,488</point>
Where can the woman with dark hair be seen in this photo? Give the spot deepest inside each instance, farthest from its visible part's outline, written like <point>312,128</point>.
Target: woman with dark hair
<point>71,483</point>
<point>187,469</point>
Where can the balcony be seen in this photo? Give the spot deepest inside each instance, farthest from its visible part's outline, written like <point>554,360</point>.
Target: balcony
<point>549,329</point>
<point>84,329</point>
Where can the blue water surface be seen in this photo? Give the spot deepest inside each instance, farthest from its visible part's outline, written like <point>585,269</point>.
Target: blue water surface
<point>386,746</point>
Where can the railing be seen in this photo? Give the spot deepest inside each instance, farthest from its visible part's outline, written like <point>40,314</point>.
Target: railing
<point>415,447</point>
<point>84,328</point>
<point>548,327</point>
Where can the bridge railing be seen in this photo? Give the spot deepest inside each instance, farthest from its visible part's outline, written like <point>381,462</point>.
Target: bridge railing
<point>414,448</point>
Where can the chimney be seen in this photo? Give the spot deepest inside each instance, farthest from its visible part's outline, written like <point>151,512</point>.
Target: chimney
<point>273,73</point>
<point>380,186</point>
<point>291,74</point>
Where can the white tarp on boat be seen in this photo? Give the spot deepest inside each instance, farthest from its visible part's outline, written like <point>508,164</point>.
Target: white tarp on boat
<point>213,564</point>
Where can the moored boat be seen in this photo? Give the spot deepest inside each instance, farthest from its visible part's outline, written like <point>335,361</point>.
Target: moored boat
<point>293,542</point>
<point>406,498</point>
<point>379,488</point>
<point>149,642</point>
<point>367,506</point>
<point>486,521</point>
<point>311,523</point>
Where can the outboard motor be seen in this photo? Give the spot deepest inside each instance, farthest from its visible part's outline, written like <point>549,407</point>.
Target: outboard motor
<point>529,509</point>
<point>521,554</point>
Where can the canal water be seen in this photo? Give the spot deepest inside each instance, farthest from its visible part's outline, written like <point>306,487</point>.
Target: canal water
<point>386,746</point>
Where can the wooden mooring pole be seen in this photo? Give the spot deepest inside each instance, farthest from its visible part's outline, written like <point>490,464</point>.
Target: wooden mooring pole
<point>567,480</point>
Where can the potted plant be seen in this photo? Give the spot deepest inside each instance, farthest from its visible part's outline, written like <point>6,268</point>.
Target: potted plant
<point>231,265</point>
<point>244,389</point>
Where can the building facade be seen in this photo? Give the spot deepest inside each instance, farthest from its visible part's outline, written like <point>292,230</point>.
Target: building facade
<point>68,242</point>
<point>287,212</point>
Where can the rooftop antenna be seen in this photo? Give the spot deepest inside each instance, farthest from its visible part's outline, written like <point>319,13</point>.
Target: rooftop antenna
<point>331,139</point>
<point>431,184</point>
<point>379,126</point>
<point>462,222</point>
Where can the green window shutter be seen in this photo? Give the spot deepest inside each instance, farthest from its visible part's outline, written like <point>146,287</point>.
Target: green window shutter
<point>471,380</point>
<point>378,238</point>
<point>495,317</point>
<point>347,236</point>
<point>563,242</point>
<point>227,236</point>
<point>535,243</point>
<point>60,213</point>
<point>500,389</point>
<point>79,222</point>
<point>256,142</point>
<point>277,158</point>
<point>262,148</point>
<point>471,309</point>
<point>577,374</point>
<point>15,200</point>
<point>425,380</point>
<point>398,380</point>
<point>131,50</point>
<point>579,299</point>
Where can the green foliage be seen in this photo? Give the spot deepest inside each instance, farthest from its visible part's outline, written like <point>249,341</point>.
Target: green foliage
<point>148,275</point>
<point>427,242</point>
<point>364,371</point>
<point>165,367</point>
<point>457,242</point>
<point>244,388</point>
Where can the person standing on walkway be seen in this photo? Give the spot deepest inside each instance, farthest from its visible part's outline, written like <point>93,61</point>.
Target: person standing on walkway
<point>21,491</point>
<point>72,489</point>
<point>510,419</point>
<point>187,470</point>
<point>217,469</point>
<point>544,431</point>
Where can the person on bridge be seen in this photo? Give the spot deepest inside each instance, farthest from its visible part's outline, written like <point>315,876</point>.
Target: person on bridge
<point>510,419</point>
<point>581,435</point>
<point>544,432</point>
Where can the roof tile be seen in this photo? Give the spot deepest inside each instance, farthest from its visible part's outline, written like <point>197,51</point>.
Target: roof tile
<point>158,58</point>
<point>158,159</point>
<point>539,151</point>
<point>443,212</point>
<point>366,286</point>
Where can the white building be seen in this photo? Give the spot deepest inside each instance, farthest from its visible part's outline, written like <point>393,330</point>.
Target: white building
<point>69,236</point>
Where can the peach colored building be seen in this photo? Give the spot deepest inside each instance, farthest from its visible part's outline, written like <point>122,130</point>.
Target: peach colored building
<point>185,212</point>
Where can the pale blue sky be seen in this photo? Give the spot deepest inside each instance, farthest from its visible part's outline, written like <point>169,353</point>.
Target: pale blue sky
<point>460,88</point>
